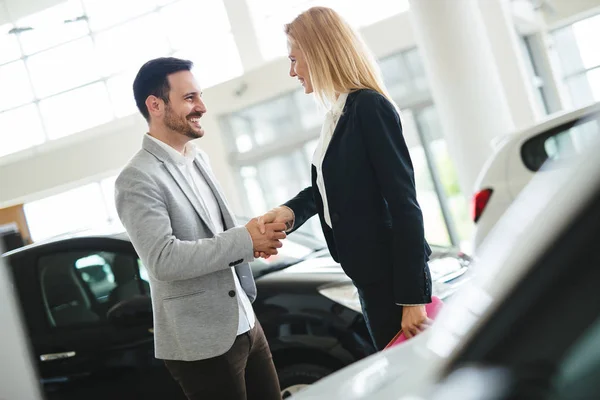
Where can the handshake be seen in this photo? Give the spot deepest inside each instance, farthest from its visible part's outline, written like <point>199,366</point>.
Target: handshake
<point>268,230</point>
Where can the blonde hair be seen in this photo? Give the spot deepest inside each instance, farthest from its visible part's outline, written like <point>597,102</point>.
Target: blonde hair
<point>337,58</point>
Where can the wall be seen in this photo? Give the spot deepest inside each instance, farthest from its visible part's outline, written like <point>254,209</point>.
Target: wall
<point>100,152</point>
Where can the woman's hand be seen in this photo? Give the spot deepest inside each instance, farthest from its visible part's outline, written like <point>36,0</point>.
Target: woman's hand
<point>414,320</point>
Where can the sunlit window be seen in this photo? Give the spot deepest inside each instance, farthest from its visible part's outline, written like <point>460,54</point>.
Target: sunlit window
<point>63,67</point>
<point>19,129</point>
<point>269,17</point>
<point>120,89</point>
<point>74,63</point>
<point>52,26</point>
<point>8,44</point>
<point>129,45</point>
<point>191,24</point>
<point>577,48</point>
<point>76,110</point>
<point>215,61</point>
<point>78,209</point>
<point>15,86</point>
<point>587,33</point>
<point>106,13</point>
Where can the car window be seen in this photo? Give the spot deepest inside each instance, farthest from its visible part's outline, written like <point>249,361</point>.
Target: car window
<point>79,287</point>
<point>579,372</point>
<point>560,143</point>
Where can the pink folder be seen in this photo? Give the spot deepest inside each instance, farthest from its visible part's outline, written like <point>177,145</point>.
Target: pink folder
<point>432,310</point>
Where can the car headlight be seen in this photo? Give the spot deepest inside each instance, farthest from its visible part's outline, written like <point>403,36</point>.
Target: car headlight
<point>443,270</point>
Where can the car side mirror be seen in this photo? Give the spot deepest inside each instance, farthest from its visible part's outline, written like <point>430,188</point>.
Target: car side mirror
<point>131,312</point>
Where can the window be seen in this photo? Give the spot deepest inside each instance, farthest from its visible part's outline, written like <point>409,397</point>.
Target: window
<point>14,80</point>
<point>576,47</point>
<point>269,17</point>
<point>77,110</point>
<point>79,287</point>
<point>52,26</point>
<point>215,61</point>
<point>129,46</point>
<point>192,24</point>
<point>102,13</point>
<point>80,58</point>
<point>9,45</point>
<point>64,67</point>
<point>560,143</point>
<point>19,129</point>
<point>78,209</point>
<point>120,90</point>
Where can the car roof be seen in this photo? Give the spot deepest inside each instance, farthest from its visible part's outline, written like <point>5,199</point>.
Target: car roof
<point>551,121</point>
<point>83,235</point>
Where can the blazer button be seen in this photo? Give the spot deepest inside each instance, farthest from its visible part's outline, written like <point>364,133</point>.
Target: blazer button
<point>232,293</point>
<point>335,217</point>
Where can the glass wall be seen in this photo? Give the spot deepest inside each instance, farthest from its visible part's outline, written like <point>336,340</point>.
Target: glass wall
<point>70,67</point>
<point>90,206</point>
<point>577,48</point>
<point>269,17</point>
<point>272,144</point>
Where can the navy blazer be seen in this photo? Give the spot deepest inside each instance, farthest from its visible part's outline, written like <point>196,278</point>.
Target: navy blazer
<point>377,232</point>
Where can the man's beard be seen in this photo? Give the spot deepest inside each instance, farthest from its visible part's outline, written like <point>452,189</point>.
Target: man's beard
<point>180,125</point>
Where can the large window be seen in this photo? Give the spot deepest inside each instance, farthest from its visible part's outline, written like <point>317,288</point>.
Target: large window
<point>272,145</point>
<point>70,67</point>
<point>577,48</point>
<point>87,207</point>
<point>269,16</point>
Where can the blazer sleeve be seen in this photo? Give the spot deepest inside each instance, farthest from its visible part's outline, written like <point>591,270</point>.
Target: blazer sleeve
<point>303,206</point>
<point>145,216</point>
<point>380,124</point>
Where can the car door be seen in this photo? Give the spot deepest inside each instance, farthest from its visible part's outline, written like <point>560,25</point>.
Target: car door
<point>543,336</point>
<point>81,355</point>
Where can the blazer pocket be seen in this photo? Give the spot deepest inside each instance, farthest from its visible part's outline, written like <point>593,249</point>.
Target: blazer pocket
<point>182,296</point>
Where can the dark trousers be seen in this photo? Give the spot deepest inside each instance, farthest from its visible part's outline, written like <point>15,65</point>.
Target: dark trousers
<point>382,315</point>
<point>244,372</point>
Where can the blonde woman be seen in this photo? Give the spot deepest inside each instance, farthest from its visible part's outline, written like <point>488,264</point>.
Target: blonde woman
<point>363,186</point>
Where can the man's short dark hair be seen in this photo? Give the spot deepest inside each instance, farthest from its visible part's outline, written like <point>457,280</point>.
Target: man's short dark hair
<point>151,80</point>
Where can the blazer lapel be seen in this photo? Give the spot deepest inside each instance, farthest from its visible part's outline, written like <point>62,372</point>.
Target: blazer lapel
<point>228,217</point>
<point>189,193</point>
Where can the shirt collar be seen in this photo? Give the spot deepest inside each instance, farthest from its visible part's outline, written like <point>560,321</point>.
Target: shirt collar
<point>338,106</point>
<point>189,151</point>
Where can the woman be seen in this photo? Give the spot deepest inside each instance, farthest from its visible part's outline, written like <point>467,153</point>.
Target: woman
<point>363,185</point>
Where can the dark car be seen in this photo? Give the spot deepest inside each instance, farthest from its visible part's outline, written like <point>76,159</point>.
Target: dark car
<point>86,305</point>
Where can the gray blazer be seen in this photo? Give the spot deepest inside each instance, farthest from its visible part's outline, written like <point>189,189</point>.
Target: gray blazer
<point>193,291</point>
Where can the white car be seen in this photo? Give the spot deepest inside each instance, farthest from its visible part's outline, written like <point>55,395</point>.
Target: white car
<point>520,156</point>
<point>529,317</point>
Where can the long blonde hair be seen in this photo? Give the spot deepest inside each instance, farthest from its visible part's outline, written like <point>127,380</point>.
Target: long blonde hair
<point>338,59</point>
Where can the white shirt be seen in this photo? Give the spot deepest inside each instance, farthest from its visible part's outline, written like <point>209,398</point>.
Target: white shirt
<point>193,176</point>
<point>331,119</point>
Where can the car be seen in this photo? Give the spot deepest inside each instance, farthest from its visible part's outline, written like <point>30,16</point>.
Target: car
<point>517,158</point>
<point>89,317</point>
<point>527,323</point>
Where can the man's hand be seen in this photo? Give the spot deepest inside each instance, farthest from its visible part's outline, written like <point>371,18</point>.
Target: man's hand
<point>414,320</point>
<point>281,214</point>
<point>268,242</point>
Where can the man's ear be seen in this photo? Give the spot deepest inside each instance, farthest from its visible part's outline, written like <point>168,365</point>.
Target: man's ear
<point>154,105</point>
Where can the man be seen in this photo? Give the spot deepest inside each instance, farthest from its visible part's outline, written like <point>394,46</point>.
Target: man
<point>181,226</point>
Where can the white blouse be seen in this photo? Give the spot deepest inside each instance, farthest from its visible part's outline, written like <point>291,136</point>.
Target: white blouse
<point>331,119</point>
